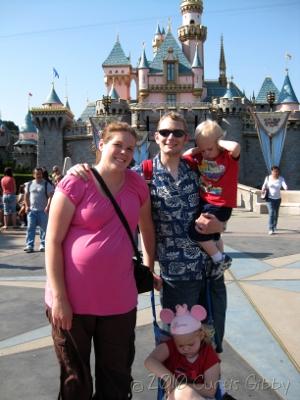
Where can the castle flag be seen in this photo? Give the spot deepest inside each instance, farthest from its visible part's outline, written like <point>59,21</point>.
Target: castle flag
<point>55,73</point>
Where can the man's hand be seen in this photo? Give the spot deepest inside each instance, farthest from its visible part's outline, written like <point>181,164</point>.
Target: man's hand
<point>80,170</point>
<point>157,283</point>
<point>208,223</point>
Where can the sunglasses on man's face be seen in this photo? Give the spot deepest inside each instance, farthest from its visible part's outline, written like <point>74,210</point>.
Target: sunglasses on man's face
<point>175,132</point>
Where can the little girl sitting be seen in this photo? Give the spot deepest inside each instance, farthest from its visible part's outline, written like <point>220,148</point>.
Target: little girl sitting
<point>187,364</point>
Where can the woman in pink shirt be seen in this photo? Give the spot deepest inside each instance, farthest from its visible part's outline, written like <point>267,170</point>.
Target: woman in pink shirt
<point>91,292</point>
<point>8,185</point>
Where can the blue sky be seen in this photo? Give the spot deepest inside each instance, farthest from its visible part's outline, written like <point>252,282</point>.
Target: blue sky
<point>75,37</point>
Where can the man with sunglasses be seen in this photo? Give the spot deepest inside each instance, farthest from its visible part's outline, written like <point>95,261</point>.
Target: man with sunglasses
<point>174,191</point>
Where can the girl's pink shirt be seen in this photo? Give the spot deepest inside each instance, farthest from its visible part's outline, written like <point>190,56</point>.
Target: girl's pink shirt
<point>97,251</point>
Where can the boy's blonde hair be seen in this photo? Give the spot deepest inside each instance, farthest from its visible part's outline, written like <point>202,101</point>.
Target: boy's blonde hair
<point>209,129</point>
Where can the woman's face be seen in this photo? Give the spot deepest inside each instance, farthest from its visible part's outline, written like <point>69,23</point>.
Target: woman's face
<point>118,151</point>
<point>275,173</point>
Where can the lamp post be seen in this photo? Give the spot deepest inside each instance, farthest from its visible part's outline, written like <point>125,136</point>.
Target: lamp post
<point>271,99</point>
<point>106,101</point>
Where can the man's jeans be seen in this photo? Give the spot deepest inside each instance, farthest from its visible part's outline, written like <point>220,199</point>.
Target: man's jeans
<point>34,219</point>
<point>194,292</point>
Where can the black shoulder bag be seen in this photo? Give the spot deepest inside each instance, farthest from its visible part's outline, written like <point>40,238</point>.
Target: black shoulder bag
<point>143,275</point>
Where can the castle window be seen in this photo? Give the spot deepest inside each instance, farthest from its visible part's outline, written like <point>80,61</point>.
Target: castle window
<point>171,98</point>
<point>170,72</point>
<point>192,22</point>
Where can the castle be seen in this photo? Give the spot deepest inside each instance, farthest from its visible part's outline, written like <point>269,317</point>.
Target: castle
<point>172,78</point>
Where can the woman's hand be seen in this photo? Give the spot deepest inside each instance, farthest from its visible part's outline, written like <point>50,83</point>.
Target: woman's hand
<point>80,170</point>
<point>62,314</point>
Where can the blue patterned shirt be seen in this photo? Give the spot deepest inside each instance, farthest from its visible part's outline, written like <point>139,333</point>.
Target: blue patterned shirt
<point>175,205</point>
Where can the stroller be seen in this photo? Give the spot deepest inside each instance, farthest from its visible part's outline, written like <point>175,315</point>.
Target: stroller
<point>161,335</point>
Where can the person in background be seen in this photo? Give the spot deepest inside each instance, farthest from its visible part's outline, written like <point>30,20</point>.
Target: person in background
<point>38,195</point>
<point>91,293</point>
<point>1,208</point>
<point>56,175</point>
<point>274,182</point>
<point>21,206</point>
<point>8,186</point>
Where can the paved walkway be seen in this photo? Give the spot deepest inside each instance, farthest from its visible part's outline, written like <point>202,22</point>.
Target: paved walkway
<point>262,348</point>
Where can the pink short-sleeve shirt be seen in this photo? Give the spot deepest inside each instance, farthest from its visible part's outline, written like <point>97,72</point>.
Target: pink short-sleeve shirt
<point>97,251</point>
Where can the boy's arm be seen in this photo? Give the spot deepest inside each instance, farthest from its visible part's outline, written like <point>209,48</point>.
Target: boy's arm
<point>191,152</point>
<point>233,147</point>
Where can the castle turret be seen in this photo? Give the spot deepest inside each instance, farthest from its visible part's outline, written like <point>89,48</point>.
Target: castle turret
<point>143,71</point>
<point>26,146</point>
<point>191,30</point>
<point>287,100</point>
<point>158,39</point>
<point>222,65</point>
<point>51,121</point>
<point>117,68</point>
<point>197,69</point>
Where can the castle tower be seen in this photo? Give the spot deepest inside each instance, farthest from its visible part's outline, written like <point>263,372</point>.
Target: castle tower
<point>197,69</point>
<point>51,121</point>
<point>191,30</point>
<point>143,71</point>
<point>118,70</point>
<point>26,147</point>
<point>222,66</point>
<point>158,39</point>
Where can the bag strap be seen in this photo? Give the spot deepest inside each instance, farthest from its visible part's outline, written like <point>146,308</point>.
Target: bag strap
<point>118,211</point>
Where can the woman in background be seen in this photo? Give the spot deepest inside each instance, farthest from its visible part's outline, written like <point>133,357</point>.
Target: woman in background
<point>273,182</point>
<point>8,185</point>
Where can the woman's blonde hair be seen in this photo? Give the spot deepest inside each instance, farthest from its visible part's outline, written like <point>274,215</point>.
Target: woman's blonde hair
<point>209,129</point>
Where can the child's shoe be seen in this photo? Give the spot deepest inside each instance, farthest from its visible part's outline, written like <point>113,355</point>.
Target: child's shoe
<point>216,270</point>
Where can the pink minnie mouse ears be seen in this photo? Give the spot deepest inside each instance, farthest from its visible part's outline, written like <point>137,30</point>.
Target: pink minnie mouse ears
<point>184,321</point>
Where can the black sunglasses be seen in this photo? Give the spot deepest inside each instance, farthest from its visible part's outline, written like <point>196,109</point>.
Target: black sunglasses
<point>175,132</point>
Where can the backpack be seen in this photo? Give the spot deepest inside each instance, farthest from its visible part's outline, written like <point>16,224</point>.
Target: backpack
<point>147,169</point>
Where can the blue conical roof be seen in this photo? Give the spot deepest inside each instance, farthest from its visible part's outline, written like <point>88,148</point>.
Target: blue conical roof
<point>143,62</point>
<point>52,97</point>
<point>116,56</point>
<point>267,86</point>
<point>113,94</point>
<point>158,31</point>
<point>67,105</point>
<point>287,94</point>
<point>157,65</point>
<point>28,126</point>
<point>228,94</point>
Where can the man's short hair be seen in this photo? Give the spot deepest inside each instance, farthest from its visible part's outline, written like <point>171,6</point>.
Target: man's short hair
<point>175,116</point>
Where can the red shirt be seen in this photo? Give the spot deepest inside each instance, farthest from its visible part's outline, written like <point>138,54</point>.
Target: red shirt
<point>219,178</point>
<point>193,372</point>
<point>8,185</point>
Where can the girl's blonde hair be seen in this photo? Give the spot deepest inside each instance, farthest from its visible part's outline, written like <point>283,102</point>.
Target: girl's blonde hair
<point>209,129</point>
